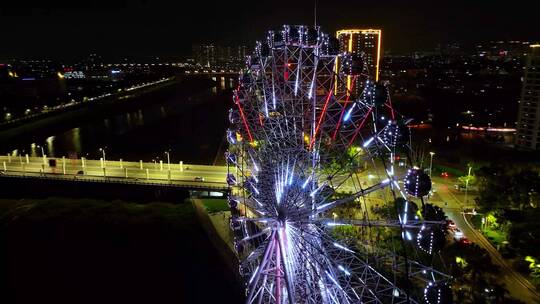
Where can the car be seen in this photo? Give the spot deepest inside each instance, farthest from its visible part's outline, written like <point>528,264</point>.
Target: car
<point>459,187</point>
<point>469,210</point>
<point>445,174</point>
<point>465,241</point>
<point>80,172</point>
<point>458,234</point>
<point>451,224</point>
<point>199,179</point>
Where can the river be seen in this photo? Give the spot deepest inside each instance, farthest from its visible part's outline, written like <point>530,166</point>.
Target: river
<point>190,126</point>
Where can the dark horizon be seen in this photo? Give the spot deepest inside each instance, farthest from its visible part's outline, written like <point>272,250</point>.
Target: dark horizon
<point>147,28</point>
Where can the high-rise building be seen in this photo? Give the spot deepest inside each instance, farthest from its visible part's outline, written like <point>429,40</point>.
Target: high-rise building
<point>224,55</point>
<point>205,54</point>
<point>528,124</point>
<point>242,53</point>
<point>213,55</point>
<point>368,42</point>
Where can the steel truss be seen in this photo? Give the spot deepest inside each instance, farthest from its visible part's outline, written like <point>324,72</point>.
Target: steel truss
<point>298,138</point>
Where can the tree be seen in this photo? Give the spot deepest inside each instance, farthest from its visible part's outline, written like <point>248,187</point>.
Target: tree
<point>467,180</point>
<point>525,184</point>
<point>524,234</point>
<point>473,270</point>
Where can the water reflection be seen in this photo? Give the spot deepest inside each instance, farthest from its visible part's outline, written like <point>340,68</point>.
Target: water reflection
<point>76,140</point>
<point>137,132</point>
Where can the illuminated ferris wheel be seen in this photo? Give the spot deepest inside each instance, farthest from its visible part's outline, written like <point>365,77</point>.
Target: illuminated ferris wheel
<point>321,210</point>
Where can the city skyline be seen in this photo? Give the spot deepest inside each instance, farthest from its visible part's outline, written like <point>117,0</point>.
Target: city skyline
<point>153,28</point>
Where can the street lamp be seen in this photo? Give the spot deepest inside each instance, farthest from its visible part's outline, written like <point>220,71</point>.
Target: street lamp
<point>168,160</point>
<point>467,184</point>
<point>43,155</point>
<point>104,160</point>
<point>431,163</point>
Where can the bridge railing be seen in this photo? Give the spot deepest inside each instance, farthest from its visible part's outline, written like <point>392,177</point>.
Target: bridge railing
<point>178,175</point>
<point>115,180</point>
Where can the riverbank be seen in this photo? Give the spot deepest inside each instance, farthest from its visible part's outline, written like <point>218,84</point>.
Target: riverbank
<point>11,136</point>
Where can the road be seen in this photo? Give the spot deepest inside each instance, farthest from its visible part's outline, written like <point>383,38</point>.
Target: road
<point>74,104</point>
<point>117,171</point>
<point>518,286</point>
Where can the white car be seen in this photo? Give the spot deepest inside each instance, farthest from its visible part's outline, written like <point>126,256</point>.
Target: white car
<point>458,234</point>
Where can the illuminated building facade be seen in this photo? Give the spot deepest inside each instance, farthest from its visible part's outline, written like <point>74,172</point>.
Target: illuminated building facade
<point>358,42</point>
<point>528,125</point>
<point>213,55</point>
<point>363,41</point>
<point>205,54</point>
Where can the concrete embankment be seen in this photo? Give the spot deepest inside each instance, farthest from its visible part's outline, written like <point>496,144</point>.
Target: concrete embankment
<point>216,227</point>
<point>43,188</point>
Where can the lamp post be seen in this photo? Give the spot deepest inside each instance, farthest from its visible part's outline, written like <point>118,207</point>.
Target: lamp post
<point>168,160</point>
<point>431,163</point>
<point>104,160</point>
<point>467,185</point>
<point>43,155</point>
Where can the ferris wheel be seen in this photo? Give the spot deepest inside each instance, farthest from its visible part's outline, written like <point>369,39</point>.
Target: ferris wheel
<point>322,211</point>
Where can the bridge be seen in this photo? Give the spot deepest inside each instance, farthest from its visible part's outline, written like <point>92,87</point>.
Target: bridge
<point>212,72</point>
<point>188,176</point>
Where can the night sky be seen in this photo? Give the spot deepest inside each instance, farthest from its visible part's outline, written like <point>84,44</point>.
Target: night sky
<point>67,30</point>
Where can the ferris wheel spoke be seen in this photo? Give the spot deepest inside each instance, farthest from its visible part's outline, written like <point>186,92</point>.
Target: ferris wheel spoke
<point>329,205</point>
<point>416,224</point>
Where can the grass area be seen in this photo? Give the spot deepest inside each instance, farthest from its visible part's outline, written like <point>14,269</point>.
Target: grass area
<point>213,205</point>
<point>454,172</point>
<point>62,250</point>
<point>88,209</point>
<point>496,237</point>
<point>476,221</point>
